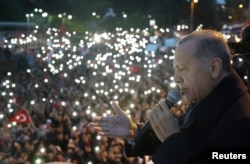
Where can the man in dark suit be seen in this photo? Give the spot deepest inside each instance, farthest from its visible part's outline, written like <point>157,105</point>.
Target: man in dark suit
<point>218,117</point>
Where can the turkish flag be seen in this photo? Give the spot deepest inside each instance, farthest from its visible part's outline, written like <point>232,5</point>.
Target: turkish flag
<point>21,116</point>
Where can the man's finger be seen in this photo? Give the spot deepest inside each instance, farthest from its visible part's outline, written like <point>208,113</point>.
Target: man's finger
<point>91,125</point>
<point>117,108</point>
<point>102,124</point>
<point>104,132</point>
<point>100,118</point>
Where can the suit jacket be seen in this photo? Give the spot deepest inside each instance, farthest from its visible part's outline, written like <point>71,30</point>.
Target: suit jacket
<point>221,120</point>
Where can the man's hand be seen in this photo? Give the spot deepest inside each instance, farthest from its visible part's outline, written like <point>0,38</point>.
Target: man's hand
<point>162,121</point>
<point>116,126</point>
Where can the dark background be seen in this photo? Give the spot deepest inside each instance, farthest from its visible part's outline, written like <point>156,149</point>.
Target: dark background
<point>167,13</point>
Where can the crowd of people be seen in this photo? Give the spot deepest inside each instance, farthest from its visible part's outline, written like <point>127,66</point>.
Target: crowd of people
<point>64,84</point>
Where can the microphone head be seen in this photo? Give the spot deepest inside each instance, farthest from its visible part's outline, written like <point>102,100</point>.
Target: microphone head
<point>173,97</point>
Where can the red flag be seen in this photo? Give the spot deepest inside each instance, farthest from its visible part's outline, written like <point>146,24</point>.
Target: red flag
<point>21,116</point>
<point>135,69</point>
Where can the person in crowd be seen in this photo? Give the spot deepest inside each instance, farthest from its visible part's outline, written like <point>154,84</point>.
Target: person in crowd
<point>218,115</point>
<point>241,52</point>
<point>245,33</point>
<point>243,46</point>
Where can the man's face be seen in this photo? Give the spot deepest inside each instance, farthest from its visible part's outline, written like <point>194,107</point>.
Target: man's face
<point>192,75</point>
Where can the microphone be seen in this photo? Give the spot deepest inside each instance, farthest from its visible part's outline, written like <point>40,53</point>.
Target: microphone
<point>172,98</point>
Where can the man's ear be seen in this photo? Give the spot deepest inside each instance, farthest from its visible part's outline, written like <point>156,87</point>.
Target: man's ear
<point>215,67</point>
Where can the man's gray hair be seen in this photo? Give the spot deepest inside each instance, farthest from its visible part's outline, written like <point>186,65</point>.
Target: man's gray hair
<point>210,44</point>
